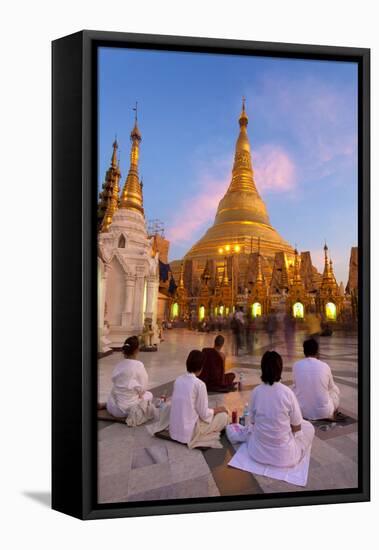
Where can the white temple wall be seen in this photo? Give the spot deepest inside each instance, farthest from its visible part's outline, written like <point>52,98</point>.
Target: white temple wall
<point>115,293</point>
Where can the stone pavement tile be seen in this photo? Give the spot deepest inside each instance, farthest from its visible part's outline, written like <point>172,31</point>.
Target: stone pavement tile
<point>112,487</point>
<point>142,438</point>
<point>114,432</point>
<point>229,481</point>
<point>190,467</point>
<point>177,452</point>
<point>325,454</point>
<point>115,457</point>
<point>353,437</point>
<point>200,487</point>
<point>269,485</point>
<point>328,432</point>
<point>150,477</point>
<point>101,424</point>
<point>146,456</point>
<point>346,446</point>
<point>337,475</point>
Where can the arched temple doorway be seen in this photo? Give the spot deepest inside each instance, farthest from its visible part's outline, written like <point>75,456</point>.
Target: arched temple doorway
<point>256,309</point>
<point>298,310</point>
<point>331,311</point>
<point>201,313</point>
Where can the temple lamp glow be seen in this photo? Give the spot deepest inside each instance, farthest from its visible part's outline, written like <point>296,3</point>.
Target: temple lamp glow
<point>230,250</point>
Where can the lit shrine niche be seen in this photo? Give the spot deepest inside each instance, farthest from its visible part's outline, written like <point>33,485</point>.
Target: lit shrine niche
<point>331,311</point>
<point>121,242</point>
<point>221,310</point>
<point>201,313</point>
<point>226,311</point>
<point>256,309</point>
<point>298,310</point>
<point>175,310</point>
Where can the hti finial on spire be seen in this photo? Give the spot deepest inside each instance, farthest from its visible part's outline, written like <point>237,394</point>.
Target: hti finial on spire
<point>114,153</point>
<point>243,120</point>
<point>135,109</point>
<point>135,134</point>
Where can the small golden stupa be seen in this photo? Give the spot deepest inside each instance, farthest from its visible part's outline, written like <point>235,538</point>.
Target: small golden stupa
<point>241,215</point>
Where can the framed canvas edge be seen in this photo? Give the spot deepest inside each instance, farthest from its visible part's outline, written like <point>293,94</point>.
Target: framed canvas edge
<point>88,508</point>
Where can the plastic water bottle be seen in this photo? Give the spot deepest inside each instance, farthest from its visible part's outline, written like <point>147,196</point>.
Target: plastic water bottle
<point>246,415</point>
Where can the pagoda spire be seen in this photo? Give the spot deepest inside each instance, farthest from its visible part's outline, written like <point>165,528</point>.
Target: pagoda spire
<point>296,271</point>
<point>109,196</point>
<point>242,173</point>
<point>181,279</point>
<point>131,196</point>
<point>328,278</point>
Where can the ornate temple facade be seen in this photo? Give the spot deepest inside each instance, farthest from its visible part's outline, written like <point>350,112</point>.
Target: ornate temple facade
<point>128,270</point>
<point>243,261</point>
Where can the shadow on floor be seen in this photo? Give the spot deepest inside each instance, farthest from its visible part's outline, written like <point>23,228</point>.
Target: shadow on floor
<point>42,497</point>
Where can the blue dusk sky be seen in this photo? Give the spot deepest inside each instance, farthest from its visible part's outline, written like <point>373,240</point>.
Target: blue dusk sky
<point>302,130</point>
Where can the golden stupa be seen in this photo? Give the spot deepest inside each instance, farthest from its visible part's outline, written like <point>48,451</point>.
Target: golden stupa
<point>241,217</point>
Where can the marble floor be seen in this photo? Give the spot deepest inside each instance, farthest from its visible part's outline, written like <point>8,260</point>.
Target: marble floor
<point>134,466</point>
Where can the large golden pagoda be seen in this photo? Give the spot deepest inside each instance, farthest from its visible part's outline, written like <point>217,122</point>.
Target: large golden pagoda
<point>241,215</point>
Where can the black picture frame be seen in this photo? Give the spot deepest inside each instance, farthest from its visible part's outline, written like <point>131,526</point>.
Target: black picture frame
<point>74,333</point>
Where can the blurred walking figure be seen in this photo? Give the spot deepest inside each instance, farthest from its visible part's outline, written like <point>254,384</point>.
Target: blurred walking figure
<point>313,326</point>
<point>271,327</point>
<point>236,326</point>
<point>289,334</point>
<point>250,329</point>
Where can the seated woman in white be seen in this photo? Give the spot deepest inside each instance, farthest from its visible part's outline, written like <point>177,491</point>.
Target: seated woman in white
<point>279,435</point>
<point>129,380</point>
<point>314,387</point>
<point>191,421</point>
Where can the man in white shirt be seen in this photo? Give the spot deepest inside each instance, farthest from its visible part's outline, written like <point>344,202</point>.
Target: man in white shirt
<point>314,387</point>
<point>191,420</point>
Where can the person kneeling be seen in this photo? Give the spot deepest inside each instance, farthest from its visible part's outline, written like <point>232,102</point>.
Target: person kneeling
<point>279,435</point>
<point>191,420</point>
<point>129,398</point>
<point>213,371</point>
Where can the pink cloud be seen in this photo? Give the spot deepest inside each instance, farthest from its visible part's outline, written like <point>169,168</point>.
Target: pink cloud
<point>274,169</point>
<point>196,212</point>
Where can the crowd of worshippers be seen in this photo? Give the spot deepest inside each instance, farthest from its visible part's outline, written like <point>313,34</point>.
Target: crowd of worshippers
<point>245,328</point>
<point>280,431</point>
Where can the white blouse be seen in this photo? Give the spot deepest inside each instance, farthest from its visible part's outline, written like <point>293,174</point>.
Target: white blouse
<point>129,379</point>
<point>313,382</point>
<point>272,410</point>
<point>189,403</point>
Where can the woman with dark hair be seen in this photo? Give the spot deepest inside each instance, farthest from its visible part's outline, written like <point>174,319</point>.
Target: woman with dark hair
<point>189,418</point>
<point>279,435</point>
<point>128,397</point>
